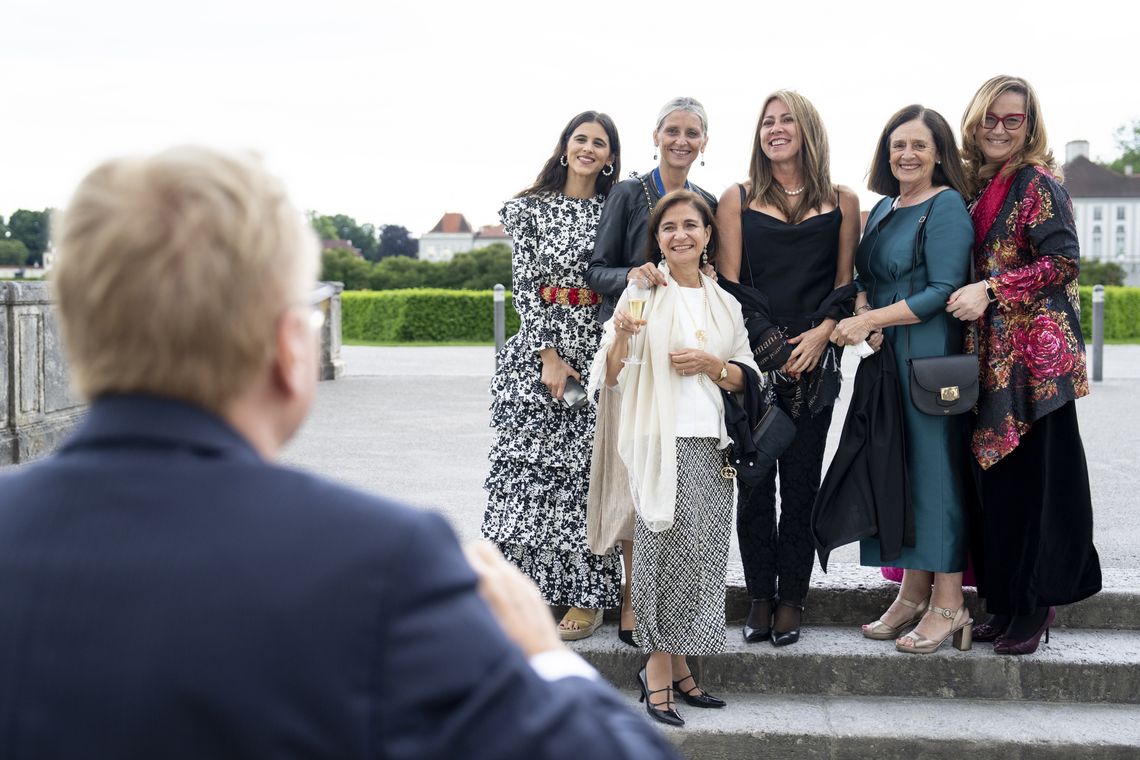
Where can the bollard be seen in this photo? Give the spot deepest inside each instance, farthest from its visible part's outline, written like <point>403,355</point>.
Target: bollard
<point>1098,333</point>
<point>500,321</point>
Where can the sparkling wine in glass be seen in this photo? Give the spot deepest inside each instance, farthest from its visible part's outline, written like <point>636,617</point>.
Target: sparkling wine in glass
<point>638,292</point>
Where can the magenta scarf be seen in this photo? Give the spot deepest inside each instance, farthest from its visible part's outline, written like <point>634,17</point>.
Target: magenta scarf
<point>985,211</point>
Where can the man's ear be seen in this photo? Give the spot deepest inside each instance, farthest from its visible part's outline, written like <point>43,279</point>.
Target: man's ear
<point>289,365</point>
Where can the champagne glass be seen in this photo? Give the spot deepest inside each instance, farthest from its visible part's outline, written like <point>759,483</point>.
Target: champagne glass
<point>638,293</point>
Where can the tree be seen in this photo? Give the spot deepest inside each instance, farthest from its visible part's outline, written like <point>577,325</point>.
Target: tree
<point>338,265</point>
<point>362,236</point>
<point>33,229</point>
<point>1128,142</point>
<point>323,226</point>
<point>395,240</point>
<point>3,229</point>
<point>480,269</point>
<point>396,272</point>
<point>1101,273</point>
<point>13,253</point>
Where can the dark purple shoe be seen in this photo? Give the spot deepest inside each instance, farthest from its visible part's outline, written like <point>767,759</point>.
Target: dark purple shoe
<point>1029,645</point>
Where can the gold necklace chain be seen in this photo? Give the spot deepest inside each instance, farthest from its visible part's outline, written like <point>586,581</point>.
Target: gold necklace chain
<point>700,333</point>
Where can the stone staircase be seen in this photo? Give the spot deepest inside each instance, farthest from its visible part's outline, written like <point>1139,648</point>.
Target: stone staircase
<point>835,694</point>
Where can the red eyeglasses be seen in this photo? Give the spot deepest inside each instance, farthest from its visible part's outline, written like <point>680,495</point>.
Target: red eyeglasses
<point>1011,121</point>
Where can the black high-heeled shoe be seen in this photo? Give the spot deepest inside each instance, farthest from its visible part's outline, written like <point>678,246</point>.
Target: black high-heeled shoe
<point>701,699</point>
<point>625,634</point>
<point>1006,645</point>
<point>784,638</point>
<point>763,632</point>
<point>667,716</point>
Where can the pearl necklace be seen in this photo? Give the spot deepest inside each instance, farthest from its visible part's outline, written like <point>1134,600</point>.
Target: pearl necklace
<point>700,332</point>
<point>792,192</point>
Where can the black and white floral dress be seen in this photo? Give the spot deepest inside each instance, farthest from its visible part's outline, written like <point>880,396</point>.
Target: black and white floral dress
<point>540,460</point>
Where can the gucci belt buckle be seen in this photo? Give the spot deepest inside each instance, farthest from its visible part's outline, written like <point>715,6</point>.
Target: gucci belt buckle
<point>728,472</point>
<point>949,393</point>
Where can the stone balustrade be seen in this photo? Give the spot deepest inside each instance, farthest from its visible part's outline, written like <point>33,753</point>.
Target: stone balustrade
<point>38,406</point>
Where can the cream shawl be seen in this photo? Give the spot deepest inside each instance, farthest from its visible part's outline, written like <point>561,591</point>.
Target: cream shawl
<point>647,440</point>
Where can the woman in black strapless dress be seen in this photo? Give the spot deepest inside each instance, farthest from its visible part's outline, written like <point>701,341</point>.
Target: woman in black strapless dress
<point>791,234</point>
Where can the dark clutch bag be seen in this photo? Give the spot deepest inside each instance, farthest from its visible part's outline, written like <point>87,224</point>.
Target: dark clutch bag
<point>771,436</point>
<point>944,385</point>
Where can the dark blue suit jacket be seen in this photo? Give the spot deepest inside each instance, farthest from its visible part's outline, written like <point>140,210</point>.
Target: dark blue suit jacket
<point>165,593</point>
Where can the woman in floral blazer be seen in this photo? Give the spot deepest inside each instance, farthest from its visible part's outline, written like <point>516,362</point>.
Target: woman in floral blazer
<point>1032,547</point>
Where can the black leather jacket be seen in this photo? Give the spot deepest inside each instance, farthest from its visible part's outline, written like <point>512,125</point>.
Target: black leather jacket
<point>619,244</point>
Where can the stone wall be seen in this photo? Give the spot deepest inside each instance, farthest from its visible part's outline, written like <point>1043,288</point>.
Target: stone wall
<point>37,404</point>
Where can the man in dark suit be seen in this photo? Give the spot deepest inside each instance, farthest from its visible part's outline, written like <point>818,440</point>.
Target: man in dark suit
<point>166,591</point>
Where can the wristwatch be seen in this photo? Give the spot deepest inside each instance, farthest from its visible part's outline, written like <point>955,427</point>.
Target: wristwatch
<point>990,294</point>
<point>723,373</point>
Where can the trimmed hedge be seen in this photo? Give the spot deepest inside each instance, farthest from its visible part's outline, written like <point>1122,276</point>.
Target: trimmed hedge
<point>1121,313</point>
<point>422,314</point>
<point>436,315</point>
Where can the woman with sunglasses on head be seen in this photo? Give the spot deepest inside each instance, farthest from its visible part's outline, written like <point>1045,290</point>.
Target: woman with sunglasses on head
<point>541,454</point>
<point>1033,546</point>
<point>680,138</point>
<point>791,234</point>
<point>915,251</point>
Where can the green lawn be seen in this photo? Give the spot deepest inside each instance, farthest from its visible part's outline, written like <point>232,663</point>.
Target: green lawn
<point>415,343</point>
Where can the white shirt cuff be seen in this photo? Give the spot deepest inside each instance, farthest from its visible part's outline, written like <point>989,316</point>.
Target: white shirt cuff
<point>561,663</point>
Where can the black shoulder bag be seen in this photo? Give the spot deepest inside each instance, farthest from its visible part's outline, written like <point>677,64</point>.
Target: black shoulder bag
<point>940,385</point>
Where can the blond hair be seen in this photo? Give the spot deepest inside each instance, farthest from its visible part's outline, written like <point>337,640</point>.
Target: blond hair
<point>1035,152</point>
<point>173,271</point>
<point>815,158</point>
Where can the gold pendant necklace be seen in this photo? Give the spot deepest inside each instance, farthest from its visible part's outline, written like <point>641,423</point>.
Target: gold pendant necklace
<point>699,332</point>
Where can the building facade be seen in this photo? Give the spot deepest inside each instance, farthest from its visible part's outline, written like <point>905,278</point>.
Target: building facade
<point>1107,209</point>
<point>453,234</point>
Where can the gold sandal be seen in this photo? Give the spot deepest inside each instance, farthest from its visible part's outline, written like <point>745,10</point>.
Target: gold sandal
<point>587,620</point>
<point>880,631</point>
<point>960,628</point>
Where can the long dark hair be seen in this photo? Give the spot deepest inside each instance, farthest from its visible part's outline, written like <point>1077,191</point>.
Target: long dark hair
<point>676,198</point>
<point>552,178</point>
<point>950,172</point>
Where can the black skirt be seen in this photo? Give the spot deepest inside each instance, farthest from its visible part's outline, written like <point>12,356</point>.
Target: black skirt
<point>1032,532</point>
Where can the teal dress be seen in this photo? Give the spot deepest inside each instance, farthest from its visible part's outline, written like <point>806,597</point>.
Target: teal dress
<point>936,447</point>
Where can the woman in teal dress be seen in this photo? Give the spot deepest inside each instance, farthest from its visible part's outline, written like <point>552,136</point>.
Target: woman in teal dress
<point>917,165</point>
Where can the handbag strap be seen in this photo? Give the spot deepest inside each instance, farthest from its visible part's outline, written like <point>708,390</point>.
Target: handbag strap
<point>743,243</point>
<point>918,252</point>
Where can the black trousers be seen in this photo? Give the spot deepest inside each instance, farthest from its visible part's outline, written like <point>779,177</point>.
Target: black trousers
<point>778,559</point>
<point>1032,537</point>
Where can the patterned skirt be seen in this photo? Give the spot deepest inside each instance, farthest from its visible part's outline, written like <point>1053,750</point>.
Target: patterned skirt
<point>536,502</point>
<point>678,574</point>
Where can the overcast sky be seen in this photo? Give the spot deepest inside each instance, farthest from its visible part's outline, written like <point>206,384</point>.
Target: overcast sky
<point>397,112</point>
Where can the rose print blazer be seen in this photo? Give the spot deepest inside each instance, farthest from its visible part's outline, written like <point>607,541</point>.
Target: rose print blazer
<point>1031,352</point>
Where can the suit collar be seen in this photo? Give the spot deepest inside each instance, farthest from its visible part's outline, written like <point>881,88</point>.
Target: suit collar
<point>157,422</point>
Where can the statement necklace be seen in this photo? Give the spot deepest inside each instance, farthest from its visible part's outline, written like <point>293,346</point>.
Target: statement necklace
<point>700,333</point>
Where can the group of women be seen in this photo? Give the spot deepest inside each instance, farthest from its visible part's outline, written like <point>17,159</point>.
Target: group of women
<point>627,287</point>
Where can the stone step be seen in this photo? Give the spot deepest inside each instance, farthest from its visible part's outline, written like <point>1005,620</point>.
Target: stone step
<point>850,595</point>
<point>756,727</point>
<point>1089,666</point>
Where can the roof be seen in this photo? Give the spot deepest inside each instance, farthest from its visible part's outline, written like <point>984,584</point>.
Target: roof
<point>452,222</point>
<point>1084,179</point>
<point>494,231</point>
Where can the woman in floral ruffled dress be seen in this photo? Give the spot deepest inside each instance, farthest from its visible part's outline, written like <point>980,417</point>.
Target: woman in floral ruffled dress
<point>540,460</point>
<point>1032,547</point>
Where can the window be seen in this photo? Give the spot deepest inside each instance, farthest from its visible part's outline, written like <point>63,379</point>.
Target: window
<point>1120,236</point>
<point>1120,213</point>
<point>1097,212</point>
<point>1096,251</point>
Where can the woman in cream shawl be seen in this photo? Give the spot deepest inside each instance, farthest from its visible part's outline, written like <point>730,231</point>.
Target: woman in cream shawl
<point>670,434</point>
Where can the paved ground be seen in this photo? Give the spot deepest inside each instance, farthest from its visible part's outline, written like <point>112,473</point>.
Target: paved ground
<point>411,423</point>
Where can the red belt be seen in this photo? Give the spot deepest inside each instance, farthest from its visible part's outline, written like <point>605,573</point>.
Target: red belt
<point>569,296</point>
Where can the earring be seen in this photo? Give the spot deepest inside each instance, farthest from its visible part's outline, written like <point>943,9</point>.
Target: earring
<point>705,256</point>
<point>654,152</point>
<point>702,158</point>
<point>607,173</point>
<point>563,160</point>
